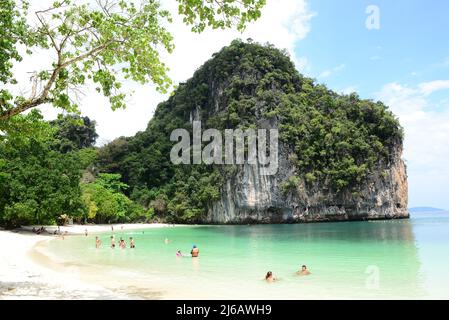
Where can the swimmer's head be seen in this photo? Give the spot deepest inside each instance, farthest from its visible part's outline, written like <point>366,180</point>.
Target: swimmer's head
<point>269,274</point>
<point>194,246</point>
<point>304,267</point>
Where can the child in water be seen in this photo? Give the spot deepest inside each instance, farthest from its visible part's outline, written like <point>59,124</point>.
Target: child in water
<point>178,253</point>
<point>131,243</point>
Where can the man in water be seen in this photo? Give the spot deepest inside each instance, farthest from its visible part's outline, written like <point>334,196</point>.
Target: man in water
<point>303,271</point>
<point>97,242</point>
<point>112,242</point>
<point>131,243</point>
<point>195,252</point>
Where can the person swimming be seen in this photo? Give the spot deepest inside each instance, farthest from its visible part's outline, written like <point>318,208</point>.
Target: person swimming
<point>132,245</point>
<point>112,242</point>
<point>167,241</point>
<point>195,251</point>
<point>97,242</point>
<point>303,271</point>
<point>269,277</point>
<point>179,253</point>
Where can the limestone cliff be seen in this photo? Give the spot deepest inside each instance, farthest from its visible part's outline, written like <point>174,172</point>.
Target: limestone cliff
<point>339,155</point>
<point>250,197</point>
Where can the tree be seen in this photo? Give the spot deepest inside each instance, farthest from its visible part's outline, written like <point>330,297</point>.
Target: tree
<point>74,132</point>
<point>102,43</point>
<point>37,183</point>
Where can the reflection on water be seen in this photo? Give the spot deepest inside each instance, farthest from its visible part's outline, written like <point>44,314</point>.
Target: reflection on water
<point>348,260</point>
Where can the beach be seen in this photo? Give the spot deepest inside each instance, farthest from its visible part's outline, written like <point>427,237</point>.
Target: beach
<point>27,273</point>
<point>396,259</point>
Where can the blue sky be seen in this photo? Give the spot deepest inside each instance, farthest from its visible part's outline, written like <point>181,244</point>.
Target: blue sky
<point>405,63</point>
<point>412,41</point>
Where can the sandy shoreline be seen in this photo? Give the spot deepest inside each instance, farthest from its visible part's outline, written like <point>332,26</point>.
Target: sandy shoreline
<point>26,273</point>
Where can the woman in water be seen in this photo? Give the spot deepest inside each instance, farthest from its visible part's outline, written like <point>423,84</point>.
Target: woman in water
<point>269,277</point>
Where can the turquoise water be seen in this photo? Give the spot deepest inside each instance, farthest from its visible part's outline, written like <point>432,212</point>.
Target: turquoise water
<point>383,259</point>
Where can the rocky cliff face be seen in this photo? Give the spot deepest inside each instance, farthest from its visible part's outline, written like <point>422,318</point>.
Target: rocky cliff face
<point>250,197</point>
<point>339,156</point>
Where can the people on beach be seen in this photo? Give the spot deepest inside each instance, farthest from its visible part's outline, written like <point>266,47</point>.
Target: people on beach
<point>97,242</point>
<point>132,245</point>
<point>40,230</point>
<point>179,253</point>
<point>85,232</point>
<point>112,228</point>
<point>269,277</point>
<point>303,271</point>
<point>195,251</point>
<point>112,242</point>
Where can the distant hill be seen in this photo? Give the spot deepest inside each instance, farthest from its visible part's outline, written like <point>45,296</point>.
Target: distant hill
<point>424,209</point>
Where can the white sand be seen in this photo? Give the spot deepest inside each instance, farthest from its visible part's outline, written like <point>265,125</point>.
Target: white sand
<point>22,277</point>
<point>81,229</point>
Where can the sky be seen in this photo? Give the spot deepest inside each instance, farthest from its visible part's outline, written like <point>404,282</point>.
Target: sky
<point>393,51</point>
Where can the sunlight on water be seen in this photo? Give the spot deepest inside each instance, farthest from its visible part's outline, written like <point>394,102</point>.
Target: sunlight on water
<point>383,259</point>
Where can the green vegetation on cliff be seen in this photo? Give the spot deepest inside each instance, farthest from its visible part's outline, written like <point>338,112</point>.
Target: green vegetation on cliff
<point>336,141</point>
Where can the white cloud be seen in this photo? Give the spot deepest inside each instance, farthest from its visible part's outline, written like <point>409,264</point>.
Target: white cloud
<point>426,139</point>
<point>329,72</point>
<point>432,86</point>
<point>283,23</point>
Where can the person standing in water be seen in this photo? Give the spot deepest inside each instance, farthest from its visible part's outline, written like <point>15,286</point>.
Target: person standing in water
<point>303,271</point>
<point>195,252</point>
<point>85,232</point>
<point>112,242</point>
<point>97,242</point>
<point>131,243</point>
<point>269,277</point>
<point>122,244</point>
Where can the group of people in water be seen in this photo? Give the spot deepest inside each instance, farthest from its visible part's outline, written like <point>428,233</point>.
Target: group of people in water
<point>302,272</point>
<point>132,245</point>
<point>121,244</point>
<point>194,253</point>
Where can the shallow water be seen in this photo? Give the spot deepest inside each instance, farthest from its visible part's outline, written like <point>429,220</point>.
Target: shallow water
<point>401,259</point>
